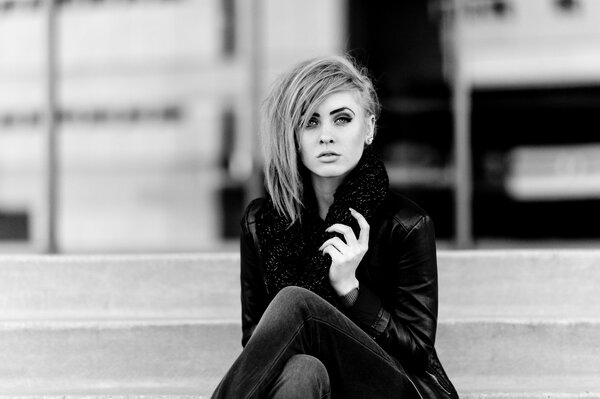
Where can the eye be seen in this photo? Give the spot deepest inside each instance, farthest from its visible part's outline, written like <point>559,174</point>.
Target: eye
<point>343,120</point>
<point>312,122</point>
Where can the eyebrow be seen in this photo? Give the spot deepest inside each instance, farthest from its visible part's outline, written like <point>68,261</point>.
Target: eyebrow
<point>335,111</point>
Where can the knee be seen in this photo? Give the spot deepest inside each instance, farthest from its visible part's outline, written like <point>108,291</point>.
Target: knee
<point>292,298</point>
<point>294,305</point>
<point>293,294</point>
<point>309,366</point>
<point>295,301</point>
<point>302,376</point>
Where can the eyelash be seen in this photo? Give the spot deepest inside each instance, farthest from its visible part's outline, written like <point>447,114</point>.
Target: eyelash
<point>312,122</point>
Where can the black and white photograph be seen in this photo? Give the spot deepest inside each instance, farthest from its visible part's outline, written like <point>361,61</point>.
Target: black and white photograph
<point>298,199</point>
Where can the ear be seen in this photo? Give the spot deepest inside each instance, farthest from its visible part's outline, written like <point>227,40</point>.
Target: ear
<point>370,129</point>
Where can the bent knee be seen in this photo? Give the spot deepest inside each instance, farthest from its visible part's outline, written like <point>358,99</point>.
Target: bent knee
<point>296,303</point>
<point>302,376</point>
<point>307,366</point>
<point>293,292</point>
<point>297,298</point>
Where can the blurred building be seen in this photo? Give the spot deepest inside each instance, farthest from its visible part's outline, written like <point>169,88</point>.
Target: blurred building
<point>488,114</point>
<point>489,117</point>
<point>526,80</point>
<point>156,112</point>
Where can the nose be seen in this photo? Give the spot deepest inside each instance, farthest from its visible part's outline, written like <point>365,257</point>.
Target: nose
<point>326,137</point>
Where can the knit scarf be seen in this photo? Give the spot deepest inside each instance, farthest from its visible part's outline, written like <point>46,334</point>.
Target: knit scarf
<point>291,255</point>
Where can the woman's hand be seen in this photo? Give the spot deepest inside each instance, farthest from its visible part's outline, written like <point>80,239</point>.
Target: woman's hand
<point>345,256</point>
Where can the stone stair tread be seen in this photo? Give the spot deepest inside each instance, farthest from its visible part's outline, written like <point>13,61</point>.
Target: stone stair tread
<point>120,395</point>
<point>468,395</point>
<point>531,395</point>
<point>584,385</point>
<point>472,284</point>
<point>178,356</point>
<point>119,286</point>
<point>168,326</point>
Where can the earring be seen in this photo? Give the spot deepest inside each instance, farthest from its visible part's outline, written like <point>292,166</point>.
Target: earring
<point>369,140</point>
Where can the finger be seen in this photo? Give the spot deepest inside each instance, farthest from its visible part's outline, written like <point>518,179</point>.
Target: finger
<point>335,242</point>
<point>363,237</point>
<point>333,253</point>
<point>344,230</point>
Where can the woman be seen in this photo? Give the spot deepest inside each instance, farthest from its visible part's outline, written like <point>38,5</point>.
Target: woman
<point>339,275</point>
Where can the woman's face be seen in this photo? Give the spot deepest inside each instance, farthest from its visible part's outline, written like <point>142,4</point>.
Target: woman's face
<point>333,139</point>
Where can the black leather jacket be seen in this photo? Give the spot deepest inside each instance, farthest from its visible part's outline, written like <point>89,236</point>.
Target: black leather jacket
<point>398,297</point>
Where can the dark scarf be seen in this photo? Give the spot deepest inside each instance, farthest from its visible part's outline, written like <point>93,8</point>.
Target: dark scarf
<point>290,254</point>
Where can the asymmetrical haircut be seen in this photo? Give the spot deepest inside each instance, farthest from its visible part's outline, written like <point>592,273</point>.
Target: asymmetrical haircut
<point>292,100</point>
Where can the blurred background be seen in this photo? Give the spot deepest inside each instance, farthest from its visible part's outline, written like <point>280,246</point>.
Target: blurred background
<point>131,125</point>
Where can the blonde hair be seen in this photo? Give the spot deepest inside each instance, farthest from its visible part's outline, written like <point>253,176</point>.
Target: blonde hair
<point>292,100</point>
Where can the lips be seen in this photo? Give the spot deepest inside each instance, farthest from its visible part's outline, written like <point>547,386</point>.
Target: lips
<point>327,154</point>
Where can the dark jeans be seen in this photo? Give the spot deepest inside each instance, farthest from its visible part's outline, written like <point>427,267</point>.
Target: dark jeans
<point>299,322</point>
<point>302,377</point>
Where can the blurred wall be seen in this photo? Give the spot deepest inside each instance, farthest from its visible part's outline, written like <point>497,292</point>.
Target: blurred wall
<point>157,103</point>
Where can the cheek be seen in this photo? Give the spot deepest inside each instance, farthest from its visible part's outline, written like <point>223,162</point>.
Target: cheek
<point>303,140</point>
<point>358,141</point>
<point>357,154</point>
<point>357,145</point>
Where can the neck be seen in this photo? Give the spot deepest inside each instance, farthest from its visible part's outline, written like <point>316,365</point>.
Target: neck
<point>324,189</point>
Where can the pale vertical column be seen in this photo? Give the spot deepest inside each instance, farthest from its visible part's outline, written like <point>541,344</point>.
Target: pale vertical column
<point>50,142</point>
<point>257,59</point>
<point>461,107</point>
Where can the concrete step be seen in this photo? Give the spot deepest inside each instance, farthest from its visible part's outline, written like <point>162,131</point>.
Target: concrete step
<point>522,284</point>
<point>519,355</point>
<point>513,324</point>
<point>471,395</point>
<point>494,386</point>
<point>115,357</point>
<point>487,395</point>
<point>198,286</point>
<point>189,357</point>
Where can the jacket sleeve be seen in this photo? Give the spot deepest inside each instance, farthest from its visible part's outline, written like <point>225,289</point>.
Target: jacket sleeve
<point>405,325</point>
<point>253,291</point>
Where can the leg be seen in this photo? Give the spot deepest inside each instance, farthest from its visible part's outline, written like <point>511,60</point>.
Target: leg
<point>302,377</point>
<point>300,322</point>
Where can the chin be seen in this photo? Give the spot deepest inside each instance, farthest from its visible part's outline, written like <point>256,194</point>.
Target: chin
<point>332,172</point>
